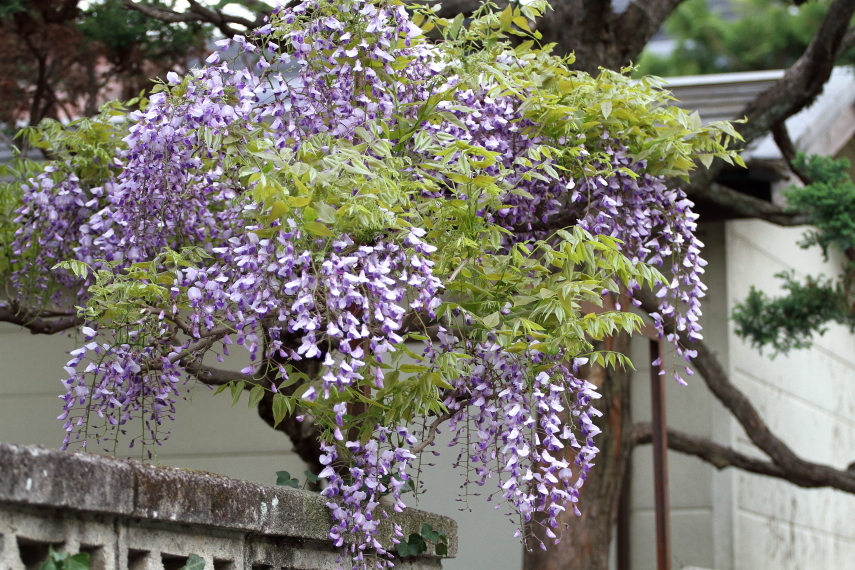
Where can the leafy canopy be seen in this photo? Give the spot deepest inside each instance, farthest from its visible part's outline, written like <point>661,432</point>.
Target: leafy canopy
<point>375,204</point>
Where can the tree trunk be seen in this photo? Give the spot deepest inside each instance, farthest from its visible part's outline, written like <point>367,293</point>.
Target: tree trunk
<point>585,540</point>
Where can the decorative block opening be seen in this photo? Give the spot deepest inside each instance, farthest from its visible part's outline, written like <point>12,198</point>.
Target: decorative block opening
<point>137,559</point>
<point>97,556</point>
<point>34,552</point>
<point>173,561</point>
<point>223,564</point>
<point>262,567</point>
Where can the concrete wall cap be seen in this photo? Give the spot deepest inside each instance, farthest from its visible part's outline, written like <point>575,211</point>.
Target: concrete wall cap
<point>37,476</point>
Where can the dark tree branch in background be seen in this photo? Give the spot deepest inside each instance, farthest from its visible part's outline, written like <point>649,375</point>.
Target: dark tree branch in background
<point>801,85</point>
<point>748,206</point>
<point>39,322</point>
<point>713,453</point>
<point>788,149</point>
<point>804,473</point>
<point>639,23</point>
<point>721,457</point>
<point>450,8</point>
<point>217,377</point>
<point>848,42</point>
<point>802,82</point>
<point>199,13</point>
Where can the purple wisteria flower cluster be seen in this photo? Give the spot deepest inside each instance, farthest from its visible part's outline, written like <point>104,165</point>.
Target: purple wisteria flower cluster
<point>385,207</point>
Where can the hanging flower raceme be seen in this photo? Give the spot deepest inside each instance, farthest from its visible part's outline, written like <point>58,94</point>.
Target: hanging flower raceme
<point>416,222</point>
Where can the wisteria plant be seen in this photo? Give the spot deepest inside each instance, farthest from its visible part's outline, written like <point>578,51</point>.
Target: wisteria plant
<point>417,206</point>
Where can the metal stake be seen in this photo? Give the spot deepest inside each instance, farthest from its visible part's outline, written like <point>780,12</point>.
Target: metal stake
<point>660,458</point>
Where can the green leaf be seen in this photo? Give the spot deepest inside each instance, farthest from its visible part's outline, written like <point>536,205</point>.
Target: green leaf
<point>78,562</point>
<point>237,390</point>
<point>606,108</point>
<point>416,544</point>
<point>195,562</point>
<point>412,368</point>
<point>441,549</point>
<point>492,320</point>
<point>318,229</point>
<point>281,408</point>
<point>284,478</point>
<point>255,395</point>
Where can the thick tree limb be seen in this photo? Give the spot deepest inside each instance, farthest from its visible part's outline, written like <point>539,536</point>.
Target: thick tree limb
<point>788,149</point>
<point>722,457</point>
<point>199,13</point>
<point>639,23</point>
<point>749,206</point>
<point>713,453</point>
<point>802,82</point>
<point>39,322</point>
<point>716,379</point>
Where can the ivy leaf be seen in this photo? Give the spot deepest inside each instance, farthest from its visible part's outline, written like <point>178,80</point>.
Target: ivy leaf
<point>416,544</point>
<point>284,478</point>
<point>195,562</point>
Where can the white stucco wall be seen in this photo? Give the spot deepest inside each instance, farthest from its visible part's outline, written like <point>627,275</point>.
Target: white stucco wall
<point>699,494</point>
<point>208,434</point>
<point>808,399</point>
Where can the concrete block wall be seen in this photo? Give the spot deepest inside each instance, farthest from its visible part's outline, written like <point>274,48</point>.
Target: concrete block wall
<point>132,516</point>
<point>807,398</point>
<point>700,496</point>
<point>208,434</point>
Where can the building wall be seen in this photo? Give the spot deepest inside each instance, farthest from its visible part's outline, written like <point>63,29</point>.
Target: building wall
<point>808,399</point>
<point>699,495</point>
<point>208,434</point>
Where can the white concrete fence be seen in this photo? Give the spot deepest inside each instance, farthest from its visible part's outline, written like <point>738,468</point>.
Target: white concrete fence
<point>132,516</point>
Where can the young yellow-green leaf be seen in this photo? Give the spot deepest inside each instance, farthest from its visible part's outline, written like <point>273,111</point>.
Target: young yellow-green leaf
<point>492,320</point>
<point>299,201</point>
<point>318,229</point>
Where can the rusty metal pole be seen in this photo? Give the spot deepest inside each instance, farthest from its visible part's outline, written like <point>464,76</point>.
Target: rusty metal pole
<point>660,458</point>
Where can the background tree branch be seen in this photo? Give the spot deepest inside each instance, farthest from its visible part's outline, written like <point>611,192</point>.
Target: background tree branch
<point>738,404</point>
<point>722,457</point>
<point>39,322</point>
<point>802,82</point>
<point>200,13</point>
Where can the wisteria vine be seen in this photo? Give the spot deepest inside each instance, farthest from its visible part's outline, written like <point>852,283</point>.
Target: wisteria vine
<point>421,218</point>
